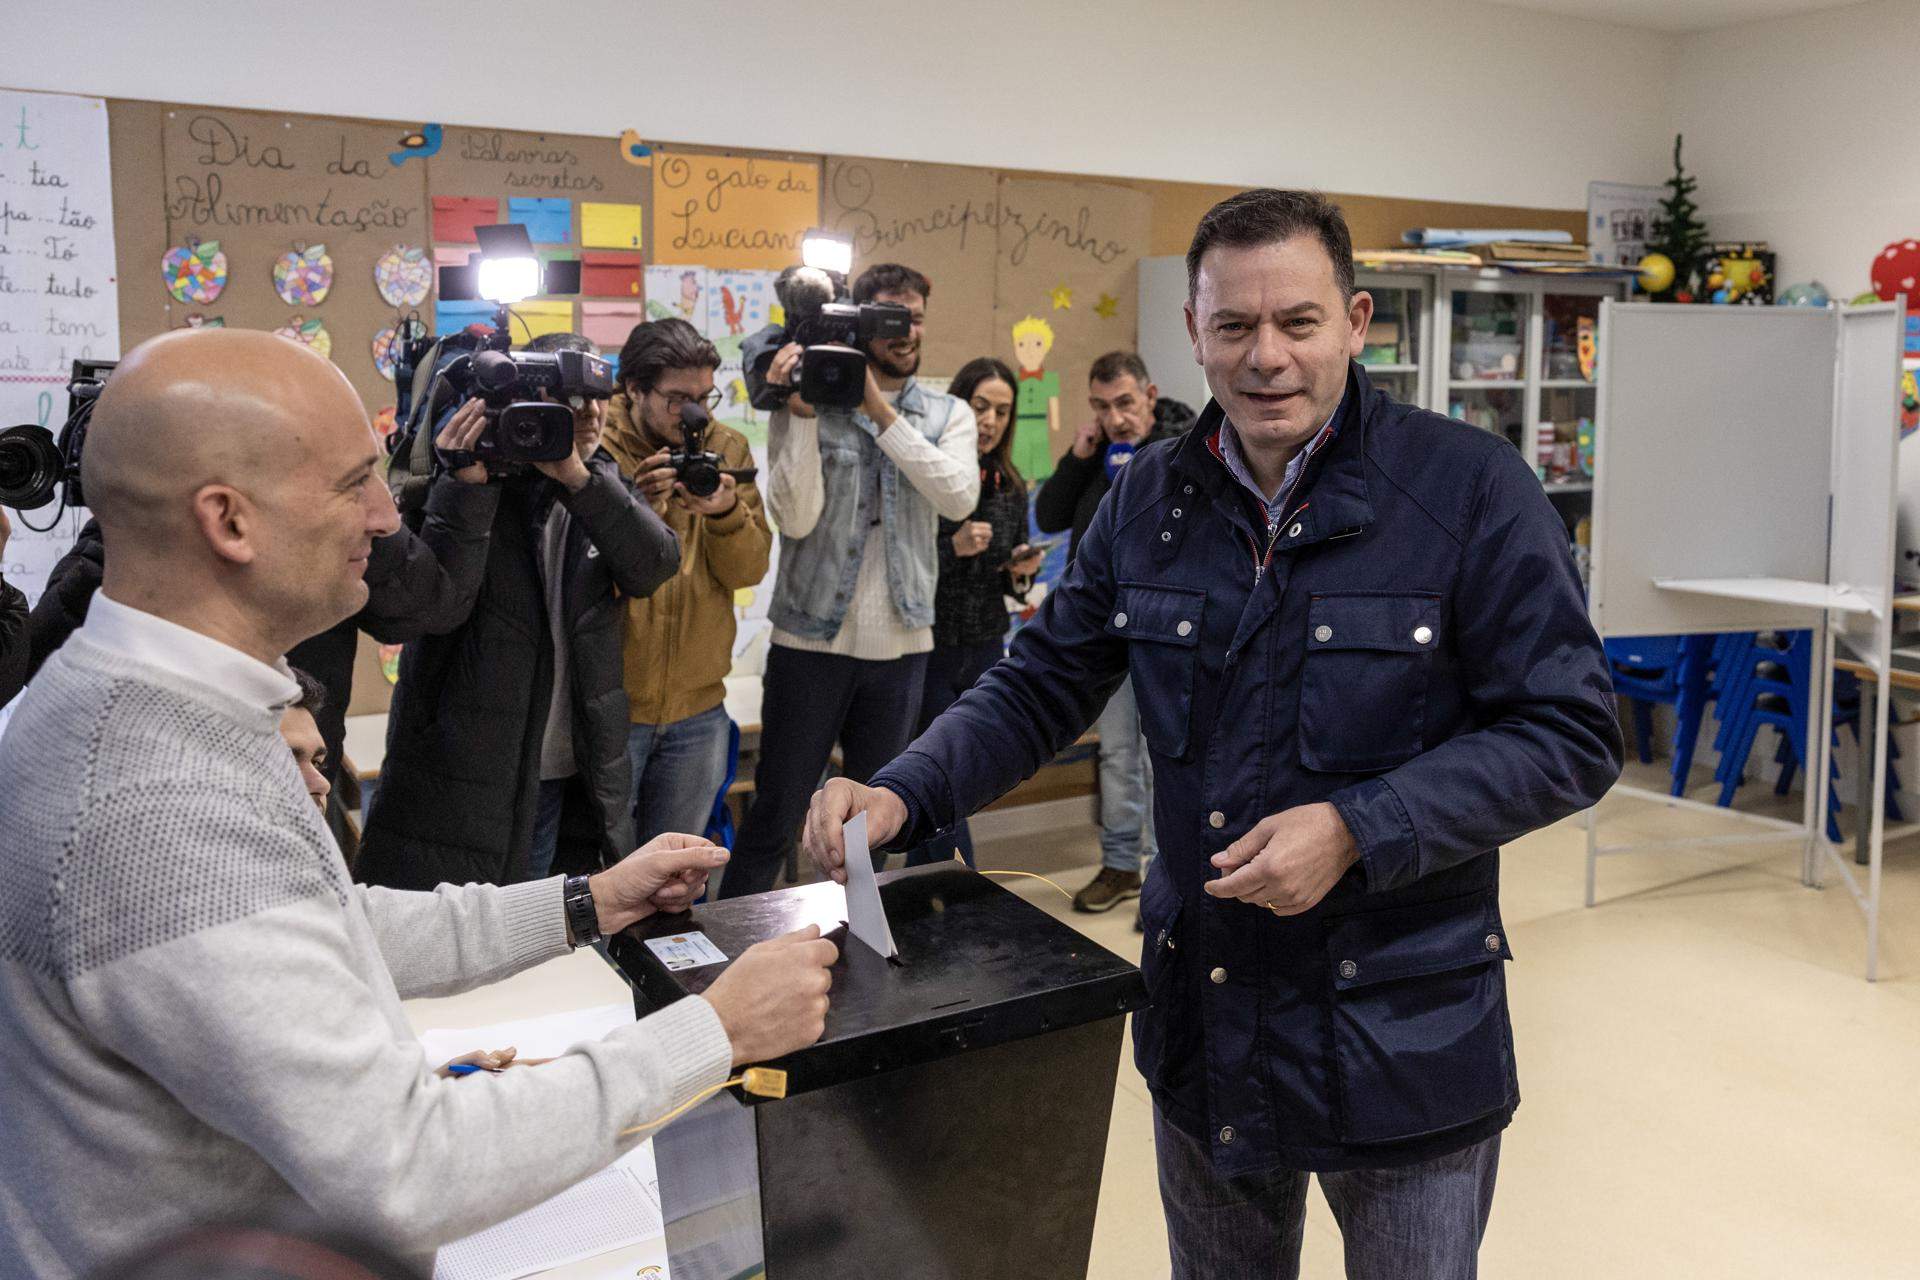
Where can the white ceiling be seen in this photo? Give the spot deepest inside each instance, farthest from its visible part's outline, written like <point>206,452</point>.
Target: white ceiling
<point>1676,15</point>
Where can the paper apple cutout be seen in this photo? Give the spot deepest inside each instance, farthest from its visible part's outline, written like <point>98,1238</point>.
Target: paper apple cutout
<point>195,271</point>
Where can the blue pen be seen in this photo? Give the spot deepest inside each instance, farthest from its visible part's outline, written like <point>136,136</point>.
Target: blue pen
<point>464,1069</point>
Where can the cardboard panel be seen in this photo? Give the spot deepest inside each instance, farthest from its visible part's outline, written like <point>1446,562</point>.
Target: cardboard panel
<point>264,184</point>
<point>732,212</point>
<point>1068,256</point>
<point>610,275</point>
<point>938,219</point>
<point>139,217</point>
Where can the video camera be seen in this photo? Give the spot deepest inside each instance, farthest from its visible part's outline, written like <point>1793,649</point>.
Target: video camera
<point>522,427</point>
<point>835,335</point>
<point>693,466</point>
<point>34,464</point>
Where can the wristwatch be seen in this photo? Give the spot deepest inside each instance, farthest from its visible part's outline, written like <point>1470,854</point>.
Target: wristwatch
<point>583,918</point>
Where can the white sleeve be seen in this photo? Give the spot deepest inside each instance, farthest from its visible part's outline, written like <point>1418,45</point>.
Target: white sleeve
<point>268,1029</point>
<point>463,936</point>
<point>948,473</point>
<point>796,491</point>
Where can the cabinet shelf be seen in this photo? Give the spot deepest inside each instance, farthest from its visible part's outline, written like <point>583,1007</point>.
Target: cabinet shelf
<point>1567,384</point>
<point>1390,368</point>
<point>1486,384</point>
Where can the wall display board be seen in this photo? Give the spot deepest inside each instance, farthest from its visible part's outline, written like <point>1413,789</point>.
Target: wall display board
<point>1745,480</point>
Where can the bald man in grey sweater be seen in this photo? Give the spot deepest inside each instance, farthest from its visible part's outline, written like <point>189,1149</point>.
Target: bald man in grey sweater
<point>199,1012</point>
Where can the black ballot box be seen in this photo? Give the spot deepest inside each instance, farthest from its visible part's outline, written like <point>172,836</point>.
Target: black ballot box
<point>952,1121</point>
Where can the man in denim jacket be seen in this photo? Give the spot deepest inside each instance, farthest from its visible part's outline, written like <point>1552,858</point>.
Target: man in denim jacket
<point>1363,664</point>
<point>856,497</point>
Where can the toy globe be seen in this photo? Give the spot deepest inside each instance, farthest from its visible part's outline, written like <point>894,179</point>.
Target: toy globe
<point>1656,272</point>
<point>1811,294</point>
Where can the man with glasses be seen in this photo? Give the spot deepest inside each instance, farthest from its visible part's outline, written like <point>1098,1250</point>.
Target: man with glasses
<point>679,640</point>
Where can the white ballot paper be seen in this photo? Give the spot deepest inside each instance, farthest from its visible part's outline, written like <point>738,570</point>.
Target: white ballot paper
<point>866,917</point>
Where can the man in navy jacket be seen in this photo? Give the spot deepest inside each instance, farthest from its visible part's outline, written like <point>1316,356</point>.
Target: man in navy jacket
<point>1363,663</point>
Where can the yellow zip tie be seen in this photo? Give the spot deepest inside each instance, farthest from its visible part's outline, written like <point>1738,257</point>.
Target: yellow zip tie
<point>1030,876</point>
<point>765,1082</point>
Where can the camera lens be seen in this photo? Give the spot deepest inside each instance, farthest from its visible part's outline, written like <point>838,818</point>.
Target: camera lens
<point>30,467</point>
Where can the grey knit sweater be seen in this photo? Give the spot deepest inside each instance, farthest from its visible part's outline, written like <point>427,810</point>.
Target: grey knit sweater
<point>200,1014</point>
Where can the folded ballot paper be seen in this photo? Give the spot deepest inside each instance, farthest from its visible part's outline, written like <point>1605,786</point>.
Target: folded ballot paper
<point>866,915</point>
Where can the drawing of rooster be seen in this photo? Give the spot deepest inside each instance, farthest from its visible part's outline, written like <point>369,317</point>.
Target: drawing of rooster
<point>736,313</point>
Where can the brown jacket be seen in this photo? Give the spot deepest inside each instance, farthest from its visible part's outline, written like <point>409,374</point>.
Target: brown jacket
<point>679,644</point>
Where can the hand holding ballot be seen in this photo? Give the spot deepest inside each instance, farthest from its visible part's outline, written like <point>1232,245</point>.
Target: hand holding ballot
<point>773,999</point>
<point>833,806</point>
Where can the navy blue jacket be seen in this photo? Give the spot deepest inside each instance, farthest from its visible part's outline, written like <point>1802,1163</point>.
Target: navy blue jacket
<point>1417,653</point>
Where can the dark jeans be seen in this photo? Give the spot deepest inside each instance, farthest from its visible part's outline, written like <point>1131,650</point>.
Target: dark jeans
<point>1416,1222</point>
<point>951,671</point>
<point>809,702</point>
<point>546,828</point>
<point>677,772</point>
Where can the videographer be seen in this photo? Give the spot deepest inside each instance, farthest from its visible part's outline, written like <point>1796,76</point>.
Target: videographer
<point>13,627</point>
<point>1128,413</point>
<point>857,496</point>
<point>509,733</point>
<point>679,640</point>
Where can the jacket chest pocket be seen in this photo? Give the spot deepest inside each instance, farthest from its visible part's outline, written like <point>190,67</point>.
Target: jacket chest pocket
<point>1420,1037</point>
<point>1363,685</point>
<point>1161,626</point>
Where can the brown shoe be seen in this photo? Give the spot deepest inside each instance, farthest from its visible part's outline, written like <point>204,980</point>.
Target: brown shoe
<point>1108,890</point>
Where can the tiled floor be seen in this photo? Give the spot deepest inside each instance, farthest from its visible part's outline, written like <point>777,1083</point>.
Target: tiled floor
<point>1710,1087</point>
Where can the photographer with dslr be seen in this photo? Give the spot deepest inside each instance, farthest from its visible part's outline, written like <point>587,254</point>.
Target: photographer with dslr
<point>509,733</point>
<point>697,474</point>
<point>857,494</point>
<point>13,627</point>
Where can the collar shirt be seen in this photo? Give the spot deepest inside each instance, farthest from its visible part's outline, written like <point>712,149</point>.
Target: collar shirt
<point>134,633</point>
<point>1236,463</point>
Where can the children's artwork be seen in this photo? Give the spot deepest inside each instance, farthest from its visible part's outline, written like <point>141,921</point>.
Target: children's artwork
<point>726,307</point>
<point>609,226</point>
<point>1619,217</point>
<point>308,332</point>
<point>732,213</point>
<point>386,351</point>
<point>1909,404</point>
<point>452,317</point>
<point>403,275</point>
<point>198,321</point>
<point>455,217</point>
<point>678,292</point>
<point>1108,307</point>
<point>417,145</point>
<point>1062,297</point>
<point>195,271</point>
<point>303,275</point>
<point>386,422</point>
<point>1739,274</point>
<point>1036,410</point>
<point>444,256</point>
<point>390,662</point>
<point>607,324</point>
<point>1586,345</point>
<point>548,219</point>
<point>531,319</point>
<point>634,151</point>
<point>610,275</point>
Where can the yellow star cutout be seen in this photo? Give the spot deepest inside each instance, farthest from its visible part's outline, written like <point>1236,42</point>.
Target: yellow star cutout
<point>1107,306</point>
<point>1062,298</point>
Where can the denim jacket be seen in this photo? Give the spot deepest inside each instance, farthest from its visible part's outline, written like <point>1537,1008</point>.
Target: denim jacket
<point>817,572</point>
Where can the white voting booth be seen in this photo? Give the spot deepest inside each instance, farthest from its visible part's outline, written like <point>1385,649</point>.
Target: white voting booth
<point>1746,470</point>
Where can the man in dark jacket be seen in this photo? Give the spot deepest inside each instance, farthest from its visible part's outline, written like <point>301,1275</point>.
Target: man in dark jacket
<point>418,584</point>
<point>13,626</point>
<point>507,739</point>
<point>1364,664</point>
<point>1128,414</point>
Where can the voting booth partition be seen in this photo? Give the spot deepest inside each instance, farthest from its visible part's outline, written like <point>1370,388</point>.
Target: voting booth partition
<point>951,1122</point>
<point>1746,470</point>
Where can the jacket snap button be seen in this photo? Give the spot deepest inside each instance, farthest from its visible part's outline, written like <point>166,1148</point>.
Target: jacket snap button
<point>1219,976</point>
<point>1348,969</point>
<point>1187,489</point>
<point>1161,941</point>
<point>1119,619</point>
<point>1216,819</point>
<point>1493,943</point>
<point>1166,535</point>
<point>1294,532</point>
<point>1176,513</point>
<point>1323,633</point>
<point>1422,634</point>
<point>1226,1134</point>
<point>1185,629</point>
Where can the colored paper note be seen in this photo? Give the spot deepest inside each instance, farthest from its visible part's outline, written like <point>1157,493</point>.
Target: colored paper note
<point>732,212</point>
<point>531,319</point>
<point>610,275</point>
<point>609,226</point>
<point>455,217</point>
<point>548,219</point>
<point>451,317</point>
<point>607,324</point>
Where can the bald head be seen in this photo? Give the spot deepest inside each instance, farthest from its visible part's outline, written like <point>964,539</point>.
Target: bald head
<point>235,462</point>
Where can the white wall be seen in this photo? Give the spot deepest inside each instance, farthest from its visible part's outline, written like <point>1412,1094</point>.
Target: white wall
<point>1438,99</point>
<point>1801,131</point>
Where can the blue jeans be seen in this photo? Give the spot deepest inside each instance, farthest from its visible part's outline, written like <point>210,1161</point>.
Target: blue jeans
<point>677,772</point>
<point>1415,1222</point>
<point>546,828</point>
<point>1127,841</point>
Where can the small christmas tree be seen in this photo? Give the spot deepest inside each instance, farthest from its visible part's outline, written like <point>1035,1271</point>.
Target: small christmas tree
<point>1678,231</point>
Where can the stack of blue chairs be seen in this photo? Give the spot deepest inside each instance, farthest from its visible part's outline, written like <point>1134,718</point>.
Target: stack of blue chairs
<point>1677,671</point>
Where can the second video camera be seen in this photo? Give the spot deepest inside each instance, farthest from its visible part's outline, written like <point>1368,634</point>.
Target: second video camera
<point>835,335</point>
<point>522,427</point>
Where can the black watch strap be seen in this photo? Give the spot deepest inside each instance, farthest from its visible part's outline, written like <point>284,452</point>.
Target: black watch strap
<point>583,918</point>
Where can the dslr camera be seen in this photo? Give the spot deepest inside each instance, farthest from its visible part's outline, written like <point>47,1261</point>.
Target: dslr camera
<point>835,335</point>
<point>695,467</point>
<point>34,463</point>
<point>523,425</point>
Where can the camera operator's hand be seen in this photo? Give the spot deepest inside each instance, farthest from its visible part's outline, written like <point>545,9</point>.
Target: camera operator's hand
<point>832,806</point>
<point>665,874</point>
<point>571,471</point>
<point>781,373</point>
<point>773,999</point>
<point>718,503</point>
<point>655,480</point>
<point>1090,439</point>
<point>456,440</point>
<point>876,405</point>
<point>971,538</point>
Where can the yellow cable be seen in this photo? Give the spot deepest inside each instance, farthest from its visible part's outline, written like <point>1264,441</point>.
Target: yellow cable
<point>1030,876</point>
<point>763,1081</point>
